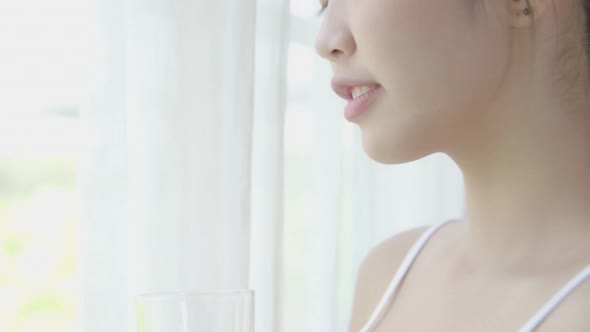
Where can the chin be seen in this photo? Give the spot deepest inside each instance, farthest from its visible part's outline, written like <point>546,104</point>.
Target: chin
<point>392,153</point>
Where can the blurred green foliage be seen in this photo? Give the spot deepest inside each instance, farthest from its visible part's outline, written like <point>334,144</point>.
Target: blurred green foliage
<point>37,244</point>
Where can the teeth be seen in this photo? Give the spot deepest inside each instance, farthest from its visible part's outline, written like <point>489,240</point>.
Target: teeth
<point>361,90</point>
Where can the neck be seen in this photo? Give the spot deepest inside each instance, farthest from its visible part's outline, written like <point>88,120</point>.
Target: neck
<point>528,190</point>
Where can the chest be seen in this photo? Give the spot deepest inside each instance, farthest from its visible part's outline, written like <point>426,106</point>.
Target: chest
<point>427,301</point>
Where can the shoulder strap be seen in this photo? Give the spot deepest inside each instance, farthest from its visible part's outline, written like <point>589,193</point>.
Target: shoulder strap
<point>380,311</point>
<point>556,299</point>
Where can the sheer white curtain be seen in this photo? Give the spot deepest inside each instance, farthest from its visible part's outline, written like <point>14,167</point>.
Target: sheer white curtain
<point>186,186</point>
<point>166,174</point>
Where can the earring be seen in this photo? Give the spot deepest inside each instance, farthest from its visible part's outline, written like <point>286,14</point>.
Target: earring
<point>527,11</point>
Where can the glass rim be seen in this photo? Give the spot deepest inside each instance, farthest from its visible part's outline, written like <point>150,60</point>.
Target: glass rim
<point>193,294</point>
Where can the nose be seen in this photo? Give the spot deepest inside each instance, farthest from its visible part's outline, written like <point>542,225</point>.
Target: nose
<point>334,39</point>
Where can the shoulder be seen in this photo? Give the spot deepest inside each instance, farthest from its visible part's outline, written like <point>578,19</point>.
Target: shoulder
<point>376,271</point>
<point>573,313</point>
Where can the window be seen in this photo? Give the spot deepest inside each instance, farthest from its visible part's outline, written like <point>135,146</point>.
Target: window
<point>43,61</point>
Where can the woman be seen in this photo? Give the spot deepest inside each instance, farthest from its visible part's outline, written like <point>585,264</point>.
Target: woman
<point>501,87</point>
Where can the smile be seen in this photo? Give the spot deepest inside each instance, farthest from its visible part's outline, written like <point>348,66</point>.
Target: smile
<point>363,97</point>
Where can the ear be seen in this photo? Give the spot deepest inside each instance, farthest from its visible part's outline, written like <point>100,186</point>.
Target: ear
<point>522,15</point>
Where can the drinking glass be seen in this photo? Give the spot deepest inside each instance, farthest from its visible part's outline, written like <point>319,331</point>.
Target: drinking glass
<point>213,311</point>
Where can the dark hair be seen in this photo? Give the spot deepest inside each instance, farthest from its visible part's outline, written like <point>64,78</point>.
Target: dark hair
<point>573,43</point>
<point>586,7</point>
<point>584,41</point>
<point>573,51</point>
<point>581,71</point>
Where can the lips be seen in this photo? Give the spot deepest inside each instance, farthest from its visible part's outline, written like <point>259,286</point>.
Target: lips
<point>344,86</point>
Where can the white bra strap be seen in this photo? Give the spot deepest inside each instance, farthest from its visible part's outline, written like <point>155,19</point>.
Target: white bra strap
<point>556,299</point>
<point>385,301</point>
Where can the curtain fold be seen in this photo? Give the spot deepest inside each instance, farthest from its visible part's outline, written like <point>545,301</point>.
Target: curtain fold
<point>267,214</point>
<point>102,181</point>
<point>189,106</point>
<point>166,174</point>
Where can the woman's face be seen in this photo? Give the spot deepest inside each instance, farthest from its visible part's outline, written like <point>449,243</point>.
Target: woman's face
<point>440,64</point>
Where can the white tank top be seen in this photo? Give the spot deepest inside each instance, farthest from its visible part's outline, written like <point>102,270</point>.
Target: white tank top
<point>530,326</point>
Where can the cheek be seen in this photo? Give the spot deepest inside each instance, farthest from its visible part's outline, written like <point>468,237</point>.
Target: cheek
<point>433,51</point>
<point>433,63</point>
<point>401,28</point>
<point>405,44</point>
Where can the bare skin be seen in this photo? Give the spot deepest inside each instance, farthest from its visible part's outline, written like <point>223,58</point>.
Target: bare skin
<point>501,97</point>
<point>443,291</point>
